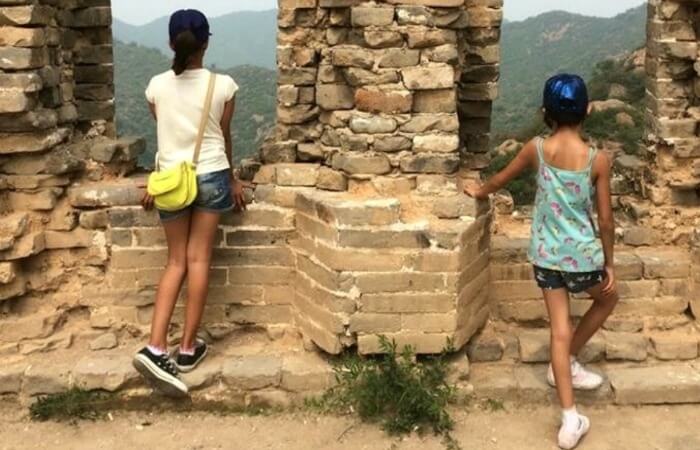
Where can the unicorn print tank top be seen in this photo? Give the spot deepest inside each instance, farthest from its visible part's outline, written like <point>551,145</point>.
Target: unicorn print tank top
<point>563,235</point>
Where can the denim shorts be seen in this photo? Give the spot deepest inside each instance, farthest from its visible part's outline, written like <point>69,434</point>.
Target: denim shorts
<point>213,195</point>
<point>573,282</point>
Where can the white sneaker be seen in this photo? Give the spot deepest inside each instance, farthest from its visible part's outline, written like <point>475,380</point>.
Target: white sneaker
<point>581,378</point>
<point>570,434</point>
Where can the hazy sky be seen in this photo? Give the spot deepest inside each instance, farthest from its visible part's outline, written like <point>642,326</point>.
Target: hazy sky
<point>142,11</point>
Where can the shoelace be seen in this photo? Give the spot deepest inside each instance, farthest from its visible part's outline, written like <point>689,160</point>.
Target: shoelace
<point>168,364</point>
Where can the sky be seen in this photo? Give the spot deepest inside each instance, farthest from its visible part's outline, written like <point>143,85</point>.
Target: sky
<point>142,11</point>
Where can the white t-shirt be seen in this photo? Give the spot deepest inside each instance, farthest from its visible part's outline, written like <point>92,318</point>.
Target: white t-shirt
<point>179,102</point>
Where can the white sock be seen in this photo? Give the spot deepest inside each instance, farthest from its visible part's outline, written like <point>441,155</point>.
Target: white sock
<point>156,351</point>
<point>570,415</point>
<point>188,352</point>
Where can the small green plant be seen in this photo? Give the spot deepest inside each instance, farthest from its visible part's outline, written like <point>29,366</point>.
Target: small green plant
<point>72,405</point>
<point>394,389</point>
<point>493,405</point>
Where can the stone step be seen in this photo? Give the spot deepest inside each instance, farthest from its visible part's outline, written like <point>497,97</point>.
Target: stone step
<point>284,377</point>
<point>665,384</point>
<point>525,383</point>
<point>625,385</point>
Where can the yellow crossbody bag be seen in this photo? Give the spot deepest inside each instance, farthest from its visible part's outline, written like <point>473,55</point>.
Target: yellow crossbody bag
<point>176,188</point>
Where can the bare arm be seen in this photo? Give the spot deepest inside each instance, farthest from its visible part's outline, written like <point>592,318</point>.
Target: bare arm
<point>229,110</point>
<point>526,158</point>
<point>236,185</point>
<point>152,107</point>
<point>606,220</point>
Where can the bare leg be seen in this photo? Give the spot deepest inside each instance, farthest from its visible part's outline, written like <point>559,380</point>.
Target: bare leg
<point>593,320</point>
<point>199,253</point>
<point>176,233</point>
<point>557,301</point>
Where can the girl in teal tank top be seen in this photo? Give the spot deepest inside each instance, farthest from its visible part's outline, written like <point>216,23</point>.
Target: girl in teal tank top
<point>567,254</point>
<point>563,236</point>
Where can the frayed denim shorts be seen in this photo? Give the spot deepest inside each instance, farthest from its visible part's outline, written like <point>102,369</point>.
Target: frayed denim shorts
<point>573,282</point>
<point>213,195</point>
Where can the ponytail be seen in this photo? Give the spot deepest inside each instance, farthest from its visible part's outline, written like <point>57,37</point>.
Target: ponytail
<point>186,46</point>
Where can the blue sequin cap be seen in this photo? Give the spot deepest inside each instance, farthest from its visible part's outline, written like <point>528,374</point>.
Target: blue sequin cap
<point>566,93</point>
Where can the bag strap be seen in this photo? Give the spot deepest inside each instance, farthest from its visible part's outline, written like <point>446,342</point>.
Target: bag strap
<point>205,118</point>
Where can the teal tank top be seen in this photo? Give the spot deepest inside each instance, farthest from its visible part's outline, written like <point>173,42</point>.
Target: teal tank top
<point>563,235</point>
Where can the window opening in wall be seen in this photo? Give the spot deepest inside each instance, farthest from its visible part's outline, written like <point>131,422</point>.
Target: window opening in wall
<point>607,51</point>
<point>243,46</point>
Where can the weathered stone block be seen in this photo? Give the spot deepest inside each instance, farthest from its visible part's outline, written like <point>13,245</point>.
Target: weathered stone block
<point>428,77</point>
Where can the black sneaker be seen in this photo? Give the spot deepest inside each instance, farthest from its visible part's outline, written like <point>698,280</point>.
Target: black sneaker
<point>161,372</point>
<point>187,363</point>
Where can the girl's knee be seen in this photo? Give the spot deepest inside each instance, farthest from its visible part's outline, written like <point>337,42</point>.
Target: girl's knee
<point>562,335</point>
<point>609,300</point>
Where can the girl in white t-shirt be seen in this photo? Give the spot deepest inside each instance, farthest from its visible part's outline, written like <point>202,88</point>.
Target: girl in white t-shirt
<point>176,99</point>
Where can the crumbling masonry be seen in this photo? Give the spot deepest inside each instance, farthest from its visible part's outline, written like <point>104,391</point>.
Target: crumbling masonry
<point>358,227</point>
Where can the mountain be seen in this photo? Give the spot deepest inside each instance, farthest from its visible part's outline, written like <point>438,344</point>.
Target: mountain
<point>134,67</point>
<point>241,38</point>
<point>555,42</point>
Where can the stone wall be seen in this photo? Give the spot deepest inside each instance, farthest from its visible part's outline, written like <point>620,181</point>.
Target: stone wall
<point>384,88</point>
<point>56,132</point>
<point>357,227</point>
<point>672,90</point>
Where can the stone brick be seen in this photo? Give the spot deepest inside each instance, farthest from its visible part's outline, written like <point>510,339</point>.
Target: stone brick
<point>485,348</point>
<point>102,195</point>
<point>534,346</point>
<point>429,323</point>
<point>430,163</point>
<point>655,385</point>
<point>252,372</point>
<point>423,37</point>
<point>390,102</point>
<point>626,346</point>
<point>361,77</point>
<point>428,77</point>
<point>352,57</point>
<point>16,58</point>
<point>675,347</point>
<point>352,163</point>
<point>27,245</point>
<point>32,142</point>
<point>367,16</point>
<point>104,342</point>
<point>305,373</point>
<point>437,101</point>
<point>335,96</point>
<point>47,378</point>
<point>435,143</point>
<point>383,39</point>
<point>375,323</point>
<point>35,326</point>
<point>11,378</point>
<point>79,238</point>
<point>407,302</point>
<point>25,15</point>
<point>396,58</point>
<point>422,343</point>
<point>400,282</point>
<point>665,264</point>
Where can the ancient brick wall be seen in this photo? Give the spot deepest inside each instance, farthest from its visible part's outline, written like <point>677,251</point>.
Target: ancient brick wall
<point>358,227</point>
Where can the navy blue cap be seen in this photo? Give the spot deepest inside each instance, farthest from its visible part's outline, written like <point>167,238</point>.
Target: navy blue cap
<point>192,20</point>
<point>566,93</point>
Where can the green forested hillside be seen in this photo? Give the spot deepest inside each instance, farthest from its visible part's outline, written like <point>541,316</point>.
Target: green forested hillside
<point>242,38</point>
<point>134,67</point>
<point>536,48</point>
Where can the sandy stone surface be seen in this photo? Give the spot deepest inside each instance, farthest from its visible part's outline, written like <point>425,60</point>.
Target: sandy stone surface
<point>648,428</point>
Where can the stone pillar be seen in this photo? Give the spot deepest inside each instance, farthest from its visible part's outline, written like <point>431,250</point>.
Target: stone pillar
<point>380,103</point>
<point>56,131</point>
<point>673,112</point>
